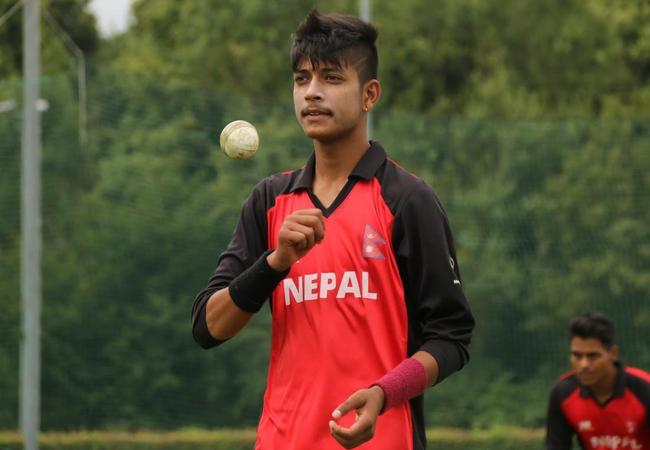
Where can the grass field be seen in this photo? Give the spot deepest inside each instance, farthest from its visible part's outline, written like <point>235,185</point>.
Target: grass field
<point>243,439</point>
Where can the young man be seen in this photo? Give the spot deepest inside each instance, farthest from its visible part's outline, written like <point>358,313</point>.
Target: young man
<point>357,257</point>
<point>605,404</point>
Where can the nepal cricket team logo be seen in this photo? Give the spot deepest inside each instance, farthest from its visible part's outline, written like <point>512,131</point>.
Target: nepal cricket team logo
<point>585,425</point>
<point>631,427</point>
<point>371,242</point>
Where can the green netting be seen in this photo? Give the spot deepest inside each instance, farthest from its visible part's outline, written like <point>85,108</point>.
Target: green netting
<point>550,219</point>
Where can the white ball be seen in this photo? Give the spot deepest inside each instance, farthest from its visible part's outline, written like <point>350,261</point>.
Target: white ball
<point>239,140</point>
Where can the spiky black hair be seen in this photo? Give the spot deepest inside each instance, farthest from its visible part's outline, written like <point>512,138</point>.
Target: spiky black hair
<point>336,39</point>
<point>593,325</point>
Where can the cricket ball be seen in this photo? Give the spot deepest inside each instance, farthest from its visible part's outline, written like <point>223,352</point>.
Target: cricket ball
<point>239,140</point>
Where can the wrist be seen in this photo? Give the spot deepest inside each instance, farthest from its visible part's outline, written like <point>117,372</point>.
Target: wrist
<point>379,393</point>
<point>276,263</point>
<point>407,380</point>
<point>250,289</point>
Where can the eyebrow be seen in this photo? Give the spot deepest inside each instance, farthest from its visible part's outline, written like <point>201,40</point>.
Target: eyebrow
<point>579,353</point>
<point>326,69</point>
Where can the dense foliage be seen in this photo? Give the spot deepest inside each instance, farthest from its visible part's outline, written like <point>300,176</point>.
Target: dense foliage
<point>530,119</point>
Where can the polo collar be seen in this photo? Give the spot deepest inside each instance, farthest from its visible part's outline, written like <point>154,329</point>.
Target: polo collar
<point>365,169</point>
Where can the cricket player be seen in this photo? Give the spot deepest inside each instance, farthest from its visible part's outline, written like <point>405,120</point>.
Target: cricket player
<point>357,258</point>
<point>605,404</point>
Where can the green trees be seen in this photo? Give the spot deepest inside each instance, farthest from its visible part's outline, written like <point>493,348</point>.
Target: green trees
<point>529,119</point>
<point>71,15</point>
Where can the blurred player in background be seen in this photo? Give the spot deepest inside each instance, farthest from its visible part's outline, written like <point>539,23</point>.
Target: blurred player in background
<point>358,259</point>
<point>604,403</point>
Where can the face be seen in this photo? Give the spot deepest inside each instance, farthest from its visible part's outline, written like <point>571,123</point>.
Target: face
<point>591,360</point>
<point>329,101</point>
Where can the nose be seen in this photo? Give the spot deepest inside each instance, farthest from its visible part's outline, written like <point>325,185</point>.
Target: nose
<point>313,91</point>
<point>583,363</point>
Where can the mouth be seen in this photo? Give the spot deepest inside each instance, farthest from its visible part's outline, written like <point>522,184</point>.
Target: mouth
<point>315,112</point>
<point>585,375</point>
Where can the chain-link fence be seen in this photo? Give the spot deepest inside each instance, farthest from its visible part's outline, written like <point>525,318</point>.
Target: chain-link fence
<point>550,220</point>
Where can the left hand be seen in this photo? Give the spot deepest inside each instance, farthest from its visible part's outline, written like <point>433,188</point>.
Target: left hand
<point>367,403</point>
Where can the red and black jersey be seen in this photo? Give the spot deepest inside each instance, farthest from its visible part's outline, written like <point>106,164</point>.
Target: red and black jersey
<point>383,284</point>
<point>621,423</point>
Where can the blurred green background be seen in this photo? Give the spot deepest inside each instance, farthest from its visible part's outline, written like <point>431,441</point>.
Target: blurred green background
<point>530,118</point>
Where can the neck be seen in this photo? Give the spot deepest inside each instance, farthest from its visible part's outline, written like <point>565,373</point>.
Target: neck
<point>336,159</point>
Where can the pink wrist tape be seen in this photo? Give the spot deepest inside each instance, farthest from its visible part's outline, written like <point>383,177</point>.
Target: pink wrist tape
<point>407,380</point>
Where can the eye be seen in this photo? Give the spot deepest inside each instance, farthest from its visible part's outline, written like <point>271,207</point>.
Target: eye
<point>298,79</point>
<point>334,78</point>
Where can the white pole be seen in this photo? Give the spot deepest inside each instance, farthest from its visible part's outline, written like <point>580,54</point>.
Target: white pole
<point>365,7</point>
<point>365,10</point>
<point>30,355</point>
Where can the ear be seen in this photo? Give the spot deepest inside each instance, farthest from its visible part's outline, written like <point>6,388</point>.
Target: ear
<point>371,92</point>
<point>613,352</point>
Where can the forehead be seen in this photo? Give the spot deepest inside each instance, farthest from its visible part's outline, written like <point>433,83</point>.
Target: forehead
<point>589,345</point>
<point>306,64</point>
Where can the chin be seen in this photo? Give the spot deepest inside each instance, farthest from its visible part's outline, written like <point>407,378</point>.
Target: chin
<point>327,135</point>
<point>320,135</point>
<point>587,381</point>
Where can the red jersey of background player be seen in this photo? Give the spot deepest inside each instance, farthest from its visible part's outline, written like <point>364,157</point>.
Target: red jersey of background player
<point>606,405</point>
<point>623,422</point>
